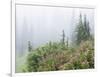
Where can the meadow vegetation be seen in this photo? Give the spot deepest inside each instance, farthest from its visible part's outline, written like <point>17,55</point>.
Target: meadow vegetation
<point>54,56</point>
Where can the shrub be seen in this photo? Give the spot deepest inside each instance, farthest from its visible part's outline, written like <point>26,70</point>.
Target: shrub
<point>52,57</point>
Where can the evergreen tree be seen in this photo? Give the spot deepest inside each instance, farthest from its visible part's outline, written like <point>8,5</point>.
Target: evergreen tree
<point>82,30</point>
<point>29,46</point>
<point>87,29</point>
<point>67,42</point>
<point>63,37</point>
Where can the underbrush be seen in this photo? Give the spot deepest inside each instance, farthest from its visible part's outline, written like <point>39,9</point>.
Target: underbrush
<point>55,56</point>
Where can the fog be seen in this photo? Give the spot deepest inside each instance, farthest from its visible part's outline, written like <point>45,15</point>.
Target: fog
<point>40,24</point>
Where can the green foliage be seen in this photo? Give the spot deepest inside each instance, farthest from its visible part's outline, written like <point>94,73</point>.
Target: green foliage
<point>82,30</point>
<point>44,57</point>
<point>82,58</point>
<point>33,62</point>
<point>52,57</point>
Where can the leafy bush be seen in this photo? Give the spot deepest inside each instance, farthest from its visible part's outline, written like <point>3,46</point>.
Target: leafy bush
<point>83,57</point>
<point>52,57</point>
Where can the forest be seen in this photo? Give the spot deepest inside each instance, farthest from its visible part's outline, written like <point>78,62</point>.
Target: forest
<point>62,55</point>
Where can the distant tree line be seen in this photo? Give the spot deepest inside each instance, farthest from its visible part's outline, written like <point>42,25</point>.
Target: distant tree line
<point>82,33</point>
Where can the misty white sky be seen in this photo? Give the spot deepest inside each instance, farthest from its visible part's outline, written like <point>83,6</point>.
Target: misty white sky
<point>40,24</point>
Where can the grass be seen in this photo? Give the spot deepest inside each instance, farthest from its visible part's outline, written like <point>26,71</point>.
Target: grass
<point>21,63</point>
